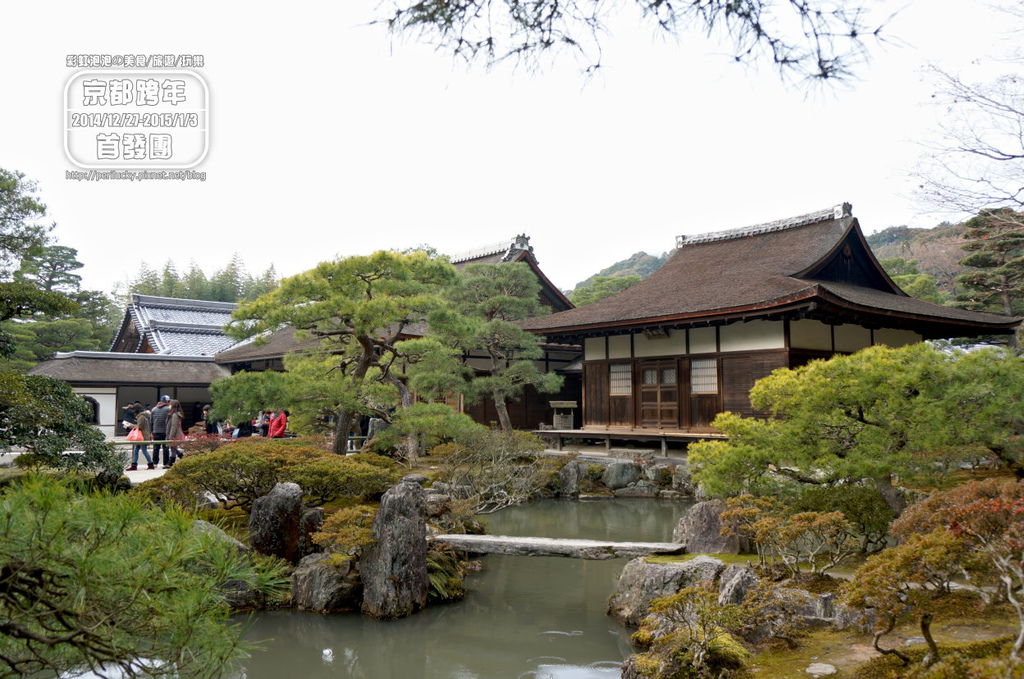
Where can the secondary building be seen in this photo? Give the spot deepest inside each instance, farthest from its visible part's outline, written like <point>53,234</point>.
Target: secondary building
<point>164,346</point>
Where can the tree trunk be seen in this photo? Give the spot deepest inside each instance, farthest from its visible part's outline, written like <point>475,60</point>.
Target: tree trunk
<point>892,495</point>
<point>932,656</point>
<point>500,406</point>
<point>904,658</point>
<point>504,421</point>
<point>410,444</point>
<point>341,431</point>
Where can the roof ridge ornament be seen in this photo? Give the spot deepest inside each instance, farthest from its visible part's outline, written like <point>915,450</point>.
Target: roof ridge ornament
<point>835,212</point>
<point>509,246</point>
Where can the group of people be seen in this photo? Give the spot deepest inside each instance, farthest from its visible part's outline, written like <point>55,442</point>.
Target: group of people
<point>163,424</point>
<point>269,424</point>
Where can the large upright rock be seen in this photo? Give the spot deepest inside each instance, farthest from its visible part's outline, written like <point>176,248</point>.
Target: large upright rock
<point>374,427</point>
<point>736,581</point>
<point>311,521</point>
<point>569,479</point>
<point>641,582</point>
<point>394,569</point>
<point>620,474</point>
<point>700,530</point>
<point>275,521</point>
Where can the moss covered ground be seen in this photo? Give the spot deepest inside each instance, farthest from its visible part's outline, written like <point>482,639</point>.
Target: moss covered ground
<point>964,628</point>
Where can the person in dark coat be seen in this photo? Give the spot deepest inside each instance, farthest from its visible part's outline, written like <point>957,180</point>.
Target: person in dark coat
<point>158,423</point>
<point>211,425</point>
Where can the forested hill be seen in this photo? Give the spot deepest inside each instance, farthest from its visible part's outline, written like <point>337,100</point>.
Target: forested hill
<point>937,251</point>
<point>638,264</point>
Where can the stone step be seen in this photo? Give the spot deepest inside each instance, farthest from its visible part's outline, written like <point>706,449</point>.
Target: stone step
<point>577,549</point>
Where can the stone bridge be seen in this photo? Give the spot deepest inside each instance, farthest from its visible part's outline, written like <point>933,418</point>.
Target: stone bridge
<point>577,549</point>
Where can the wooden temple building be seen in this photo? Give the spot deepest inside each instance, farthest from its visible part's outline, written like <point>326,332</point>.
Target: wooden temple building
<point>657,361</point>
<point>662,358</point>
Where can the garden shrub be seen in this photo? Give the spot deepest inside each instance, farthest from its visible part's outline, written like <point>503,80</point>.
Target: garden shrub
<point>332,477</point>
<point>238,473</point>
<point>319,442</point>
<point>429,424</point>
<point>32,461</point>
<point>202,443</point>
<point>498,469</point>
<point>376,460</point>
<point>863,506</point>
<point>234,474</point>
<point>168,490</point>
<point>702,643</point>
<point>347,532</point>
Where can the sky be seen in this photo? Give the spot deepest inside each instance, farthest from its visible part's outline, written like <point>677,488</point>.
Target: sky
<point>328,137</point>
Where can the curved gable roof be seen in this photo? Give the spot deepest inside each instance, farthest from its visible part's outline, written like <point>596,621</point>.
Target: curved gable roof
<point>757,268</point>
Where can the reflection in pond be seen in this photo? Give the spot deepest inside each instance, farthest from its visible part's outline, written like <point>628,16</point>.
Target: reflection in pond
<point>530,617</point>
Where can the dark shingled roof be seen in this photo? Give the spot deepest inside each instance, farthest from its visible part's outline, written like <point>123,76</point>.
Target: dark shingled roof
<point>761,268</point>
<point>118,368</point>
<point>273,345</point>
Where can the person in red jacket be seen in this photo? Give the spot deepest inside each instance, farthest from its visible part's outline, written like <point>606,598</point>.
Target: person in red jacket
<point>278,423</point>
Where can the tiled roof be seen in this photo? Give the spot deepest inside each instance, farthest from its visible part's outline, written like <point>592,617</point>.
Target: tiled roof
<point>179,327</point>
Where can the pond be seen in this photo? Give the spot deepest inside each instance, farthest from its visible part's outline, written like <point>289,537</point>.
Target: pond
<point>529,617</point>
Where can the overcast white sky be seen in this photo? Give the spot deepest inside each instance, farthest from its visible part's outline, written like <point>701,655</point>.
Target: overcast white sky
<point>328,138</point>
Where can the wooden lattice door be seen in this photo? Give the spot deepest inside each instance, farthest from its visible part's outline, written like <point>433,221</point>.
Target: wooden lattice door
<point>658,383</point>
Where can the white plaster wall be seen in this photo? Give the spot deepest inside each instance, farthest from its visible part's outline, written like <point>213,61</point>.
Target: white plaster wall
<point>852,337</point>
<point>810,334</point>
<point>896,338</point>
<point>674,344</point>
<point>619,346</point>
<point>702,341</point>
<point>106,397</point>
<point>593,349</point>
<point>752,336</point>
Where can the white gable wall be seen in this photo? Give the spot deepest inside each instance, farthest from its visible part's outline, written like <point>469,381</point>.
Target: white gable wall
<point>752,336</point>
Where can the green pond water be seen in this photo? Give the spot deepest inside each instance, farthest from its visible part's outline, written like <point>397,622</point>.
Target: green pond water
<point>529,617</point>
